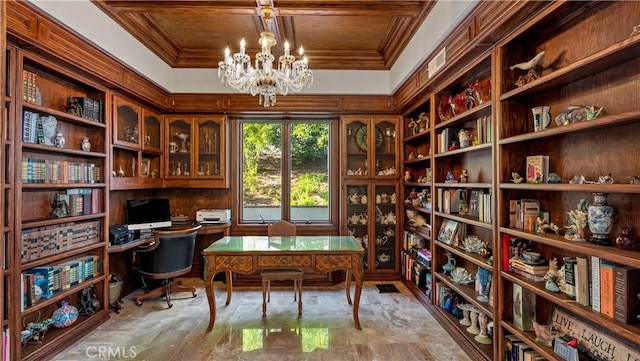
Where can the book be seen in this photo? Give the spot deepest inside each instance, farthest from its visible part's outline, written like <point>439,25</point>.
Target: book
<point>531,355</point>
<point>529,208</point>
<point>509,340</point>
<point>537,169</point>
<point>595,283</point>
<point>524,308</point>
<point>626,287</point>
<point>474,210</point>
<point>569,277</point>
<point>606,288</point>
<point>581,275</point>
<point>515,352</point>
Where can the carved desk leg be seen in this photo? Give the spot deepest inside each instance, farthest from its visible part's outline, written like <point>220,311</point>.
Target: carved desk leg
<point>229,286</point>
<point>347,286</point>
<point>209,272</point>
<point>357,273</point>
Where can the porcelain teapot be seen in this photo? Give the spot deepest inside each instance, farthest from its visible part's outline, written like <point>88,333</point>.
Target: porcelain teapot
<point>354,219</point>
<point>354,198</point>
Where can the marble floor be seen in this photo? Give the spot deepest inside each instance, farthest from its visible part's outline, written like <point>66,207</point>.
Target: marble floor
<point>395,326</point>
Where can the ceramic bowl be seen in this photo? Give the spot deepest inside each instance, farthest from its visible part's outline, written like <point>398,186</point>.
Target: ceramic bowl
<point>531,256</point>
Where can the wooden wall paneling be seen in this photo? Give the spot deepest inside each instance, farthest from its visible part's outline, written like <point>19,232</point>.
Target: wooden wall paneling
<point>138,85</point>
<point>194,102</point>
<point>300,102</point>
<point>21,21</point>
<point>377,104</point>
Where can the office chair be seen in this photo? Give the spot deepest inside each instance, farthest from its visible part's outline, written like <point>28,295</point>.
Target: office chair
<point>169,256</point>
<point>281,228</point>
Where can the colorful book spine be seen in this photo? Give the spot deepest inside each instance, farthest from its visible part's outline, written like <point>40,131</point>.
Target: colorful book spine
<point>606,289</point>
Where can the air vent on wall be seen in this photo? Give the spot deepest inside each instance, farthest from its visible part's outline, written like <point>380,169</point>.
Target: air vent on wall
<point>437,62</point>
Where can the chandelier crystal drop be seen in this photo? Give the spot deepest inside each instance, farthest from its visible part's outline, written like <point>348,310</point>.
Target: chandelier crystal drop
<point>263,79</point>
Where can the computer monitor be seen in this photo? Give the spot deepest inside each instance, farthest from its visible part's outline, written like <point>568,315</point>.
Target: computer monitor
<point>144,214</point>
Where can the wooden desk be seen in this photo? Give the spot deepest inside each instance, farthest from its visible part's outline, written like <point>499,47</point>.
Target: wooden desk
<point>248,254</point>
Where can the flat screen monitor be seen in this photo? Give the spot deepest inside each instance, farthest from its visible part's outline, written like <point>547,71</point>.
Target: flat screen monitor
<point>145,214</point>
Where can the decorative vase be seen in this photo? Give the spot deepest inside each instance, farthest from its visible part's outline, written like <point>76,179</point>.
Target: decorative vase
<point>600,218</point>
<point>482,337</point>
<point>64,316</point>
<point>626,240</point>
<point>474,329</point>
<point>466,317</point>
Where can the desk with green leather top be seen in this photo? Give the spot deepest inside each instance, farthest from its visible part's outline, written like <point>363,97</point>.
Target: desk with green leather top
<point>249,254</point>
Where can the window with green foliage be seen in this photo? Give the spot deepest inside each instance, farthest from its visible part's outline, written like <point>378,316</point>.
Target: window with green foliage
<point>285,170</point>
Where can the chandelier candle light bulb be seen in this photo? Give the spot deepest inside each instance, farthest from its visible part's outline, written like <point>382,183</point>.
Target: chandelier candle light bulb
<point>264,80</point>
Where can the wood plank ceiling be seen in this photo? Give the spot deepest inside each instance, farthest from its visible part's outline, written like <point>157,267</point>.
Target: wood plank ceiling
<point>336,34</point>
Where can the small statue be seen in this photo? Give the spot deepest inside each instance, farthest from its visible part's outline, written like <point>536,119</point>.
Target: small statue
<point>577,179</point>
<point>534,71</point>
<point>464,176</point>
<point>593,113</point>
<point>450,265</point>
<point>465,138</point>
<point>554,178</point>
<point>605,179</point>
<point>544,334</point>
<point>633,179</point>
<point>59,140</point>
<point>60,208</point>
<point>577,222</point>
<point>449,178</point>
<point>516,178</point>
<point>74,107</point>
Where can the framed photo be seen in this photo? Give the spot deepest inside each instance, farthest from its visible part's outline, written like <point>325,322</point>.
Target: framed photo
<point>447,231</point>
<point>144,168</point>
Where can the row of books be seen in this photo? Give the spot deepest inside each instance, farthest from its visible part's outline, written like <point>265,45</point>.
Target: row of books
<point>82,201</point>
<point>29,86</point>
<point>33,127</point>
<point>415,270</point>
<point>517,350</point>
<point>44,241</point>
<point>475,203</point>
<point>87,108</point>
<point>57,278</point>
<point>448,138</point>
<point>524,213</point>
<point>35,170</point>
<point>608,288</point>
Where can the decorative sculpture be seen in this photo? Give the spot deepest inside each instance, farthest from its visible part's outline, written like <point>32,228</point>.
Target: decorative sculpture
<point>534,70</point>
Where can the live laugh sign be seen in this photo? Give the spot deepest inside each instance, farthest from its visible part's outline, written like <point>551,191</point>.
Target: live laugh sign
<point>593,339</point>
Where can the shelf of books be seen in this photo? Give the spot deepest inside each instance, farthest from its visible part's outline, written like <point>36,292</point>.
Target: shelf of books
<point>567,184</point>
<point>58,248</point>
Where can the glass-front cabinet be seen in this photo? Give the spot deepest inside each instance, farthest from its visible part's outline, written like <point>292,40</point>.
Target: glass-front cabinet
<point>196,150</point>
<point>370,177</point>
<point>136,149</point>
<point>371,217</point>
<point>370,147</point>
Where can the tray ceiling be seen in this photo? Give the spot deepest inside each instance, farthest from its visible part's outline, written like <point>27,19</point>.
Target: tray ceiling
<point>336,34</point>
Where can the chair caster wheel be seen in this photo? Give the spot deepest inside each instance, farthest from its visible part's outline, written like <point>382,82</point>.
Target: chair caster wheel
<point>171,305</point>
<point>138,303</point>
<point>195,294</point>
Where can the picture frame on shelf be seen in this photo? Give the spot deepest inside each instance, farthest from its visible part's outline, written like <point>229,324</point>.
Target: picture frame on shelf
<point>144,167</point>
<point>448,231</point>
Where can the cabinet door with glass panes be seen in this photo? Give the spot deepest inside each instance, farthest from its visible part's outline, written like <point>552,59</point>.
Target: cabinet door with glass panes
<point>209,142</point>
<point>370,147</point>
<point>384,227</point>
<point>178,138</point>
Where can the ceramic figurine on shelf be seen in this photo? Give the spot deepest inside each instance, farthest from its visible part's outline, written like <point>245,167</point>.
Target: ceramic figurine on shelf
<point>516,177</point>
<point>553,178</point>
<point>544,334</point>
<point>633,179</point>
<point>577,222</point>
<point>626,240</point>
<point>534,70</point>
<point>464,138</point>
<point>450,265</point>
<point>449,178</point>
<point>464,176</point>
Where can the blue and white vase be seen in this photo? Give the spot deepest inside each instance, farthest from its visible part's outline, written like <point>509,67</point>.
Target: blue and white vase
<point>600,218</point>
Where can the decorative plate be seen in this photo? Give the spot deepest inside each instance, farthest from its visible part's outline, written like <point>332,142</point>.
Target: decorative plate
<point>361,138</point>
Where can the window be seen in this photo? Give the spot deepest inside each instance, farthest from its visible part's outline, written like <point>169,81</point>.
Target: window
<point>285,170</point>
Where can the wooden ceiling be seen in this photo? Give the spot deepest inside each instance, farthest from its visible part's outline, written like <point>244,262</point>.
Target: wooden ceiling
<point>336,34</point>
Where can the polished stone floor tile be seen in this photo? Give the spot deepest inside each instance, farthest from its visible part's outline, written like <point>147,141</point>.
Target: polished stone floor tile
<point>395,326</point>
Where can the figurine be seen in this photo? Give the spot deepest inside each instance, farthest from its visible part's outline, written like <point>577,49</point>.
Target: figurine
<point>516,178</point>
<point>577,179</point>
<point>464,176</point>
<point>544,334</point>
<point>577,113</point>
<point>60,208</point>
<point>577,222</point>
<point>465,138</point>
<point>634,179</point>
<point>74,107</point>
<point>605,179</point>
<point>534,70</point>
<point>59,140</point>
<point>543,226</point>
<point>593,113</point>
<point>553,178</point>
<point>449,178</point>
<point>85,145</point>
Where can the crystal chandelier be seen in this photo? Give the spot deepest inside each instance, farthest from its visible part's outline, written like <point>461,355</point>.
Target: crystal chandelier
<point>290,76</point>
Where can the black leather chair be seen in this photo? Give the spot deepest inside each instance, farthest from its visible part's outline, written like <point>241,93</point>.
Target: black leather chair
<point>169,256</point>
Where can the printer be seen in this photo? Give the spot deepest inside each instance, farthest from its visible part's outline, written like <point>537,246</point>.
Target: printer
<point>213,216</point>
